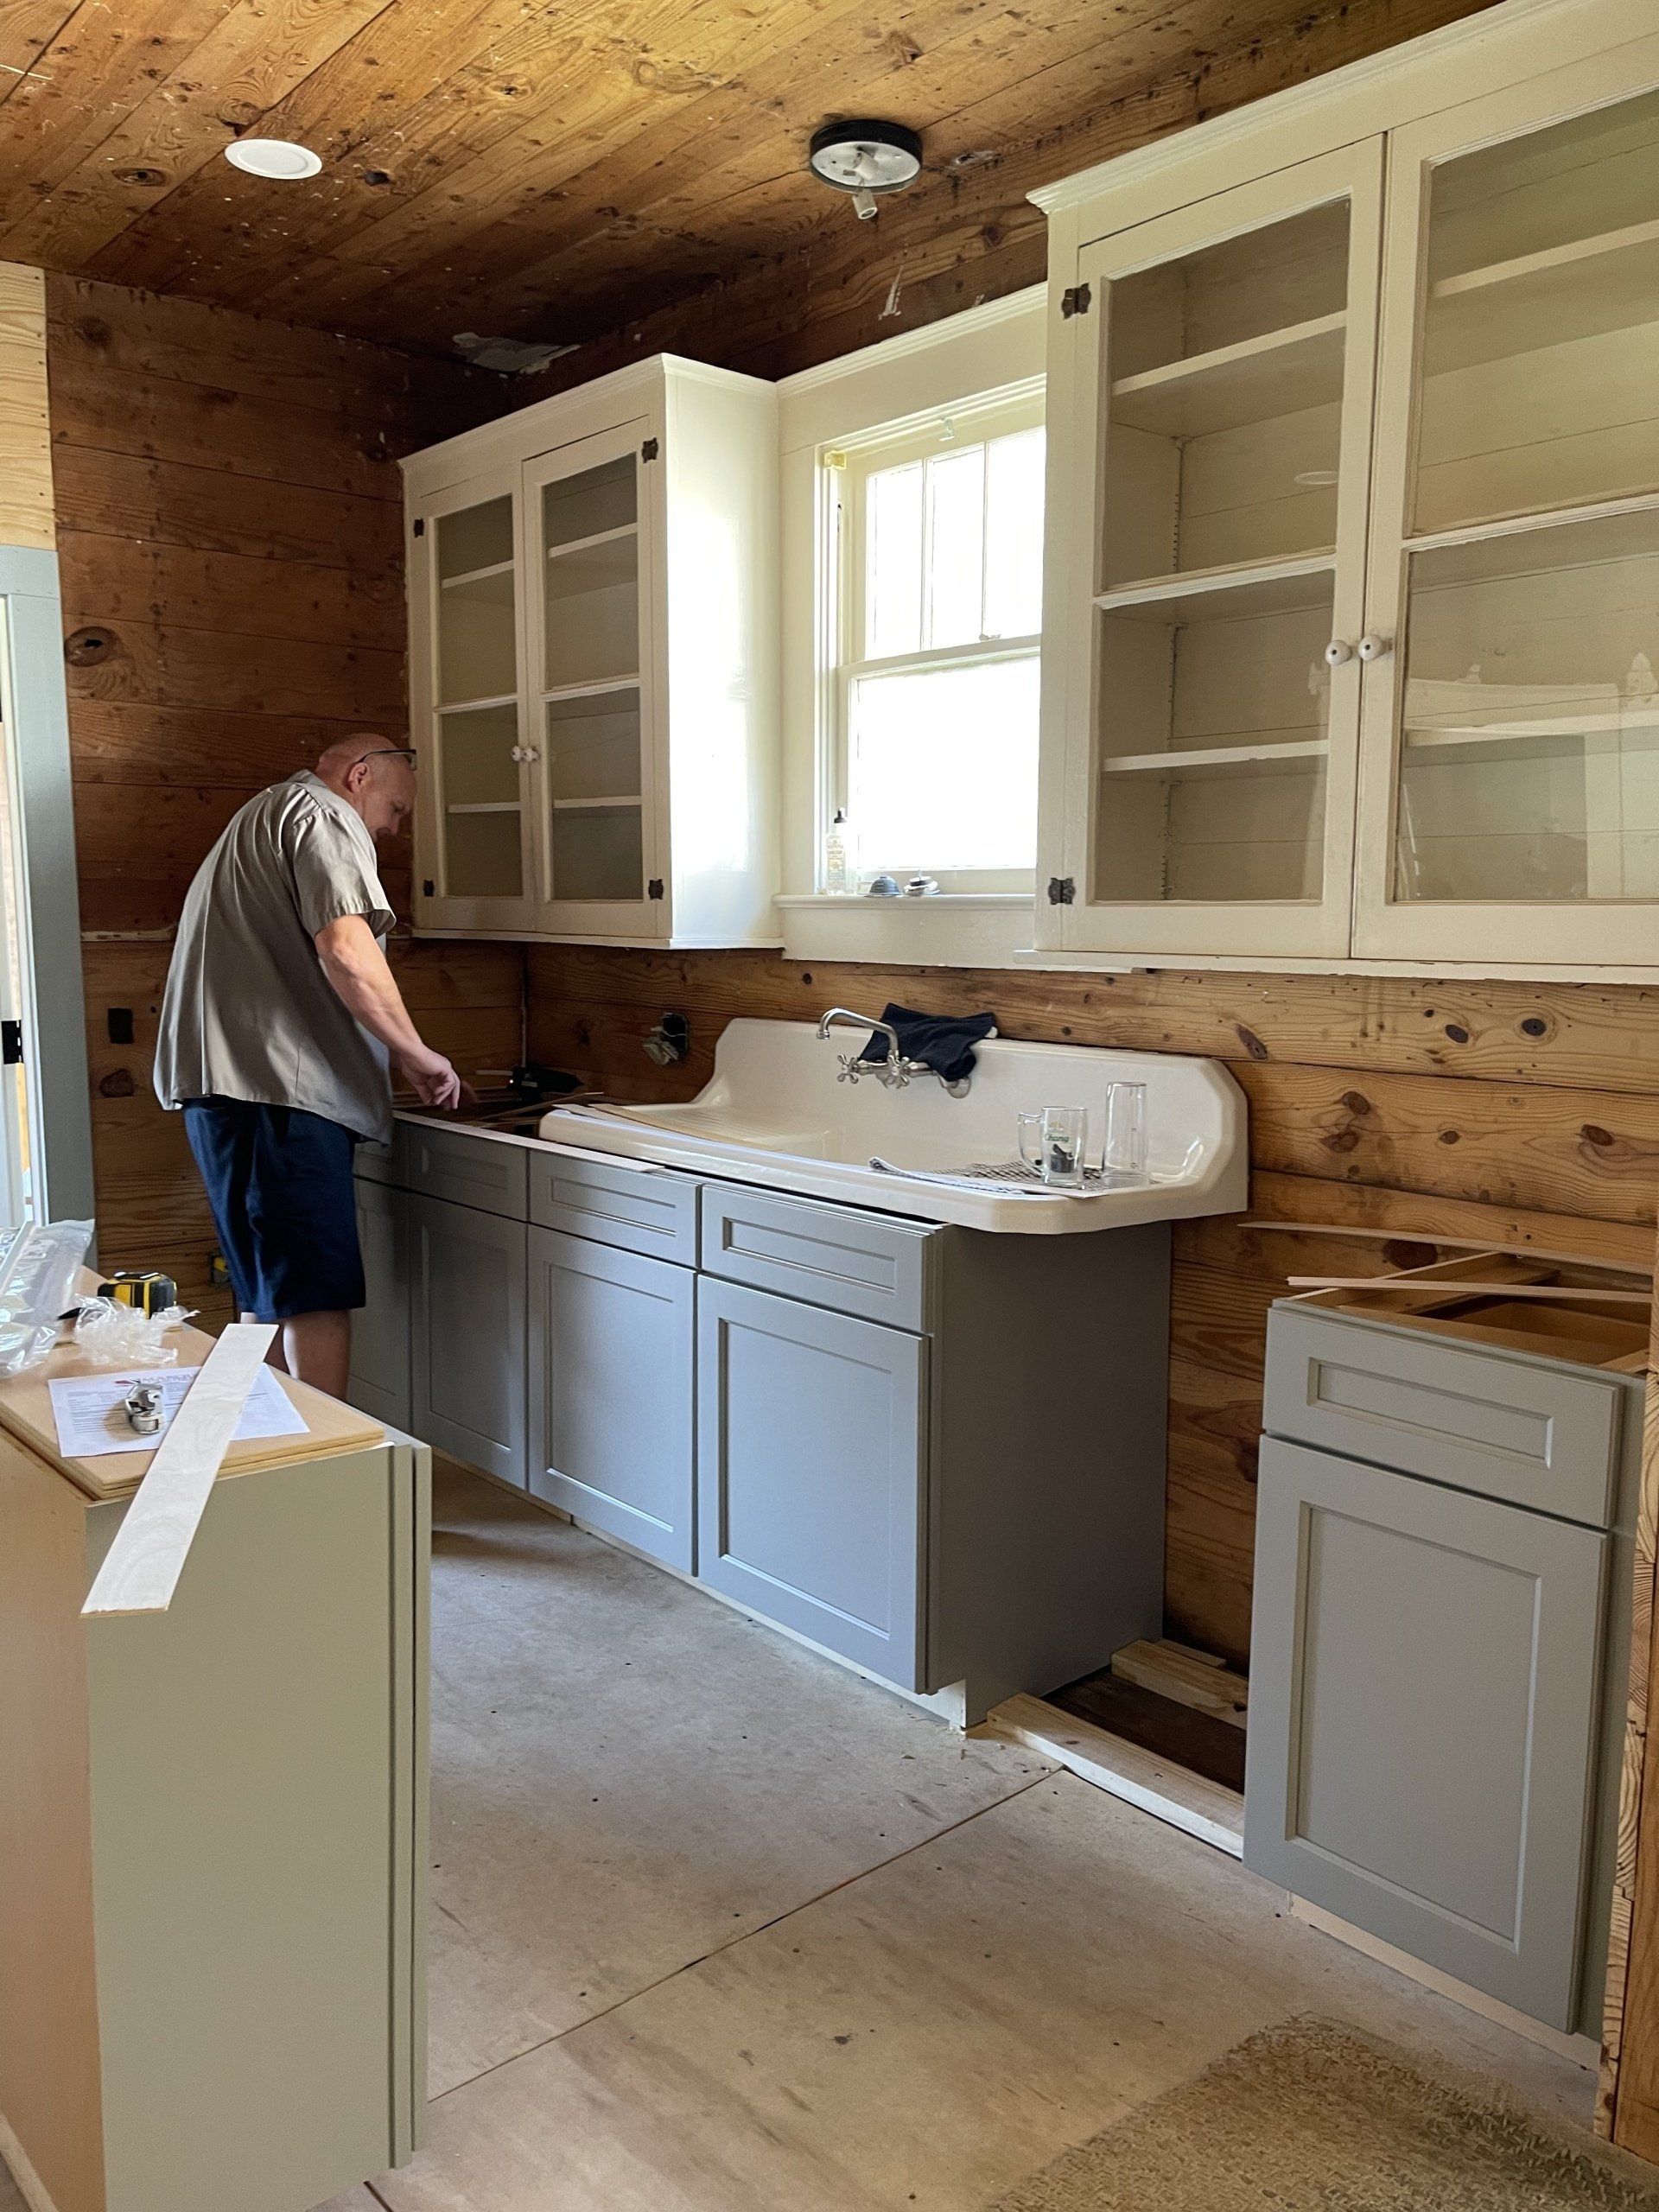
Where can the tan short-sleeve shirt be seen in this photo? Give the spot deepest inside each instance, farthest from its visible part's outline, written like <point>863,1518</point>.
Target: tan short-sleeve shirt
<point>248,1012</point>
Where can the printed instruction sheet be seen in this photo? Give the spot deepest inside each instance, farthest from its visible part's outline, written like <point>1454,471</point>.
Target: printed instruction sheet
<point>90,1410</point>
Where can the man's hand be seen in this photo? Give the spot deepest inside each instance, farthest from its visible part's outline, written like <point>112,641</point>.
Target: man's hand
<point>436,1082</point>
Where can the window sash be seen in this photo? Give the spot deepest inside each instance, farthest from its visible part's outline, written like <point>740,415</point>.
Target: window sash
<point>845,473</point>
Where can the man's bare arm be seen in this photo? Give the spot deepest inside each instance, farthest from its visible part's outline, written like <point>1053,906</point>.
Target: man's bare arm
<point>354,964</point>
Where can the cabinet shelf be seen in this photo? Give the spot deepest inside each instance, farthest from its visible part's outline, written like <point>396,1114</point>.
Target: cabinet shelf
<point>485,806</point>
<point>1215,756</point>
<point>1250,588</point>
<point>595,806</point>
<point>1535,300</point>
<point>598,687</point>
<point>474,576</point>
<point>477,706</point>
<point>595,537</point>
<point>1637,721</point>
<point>1283,372</point>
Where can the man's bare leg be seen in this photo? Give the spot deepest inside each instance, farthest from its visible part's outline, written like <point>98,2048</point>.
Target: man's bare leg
<point>275,1356</point>
<point>317,1347</point>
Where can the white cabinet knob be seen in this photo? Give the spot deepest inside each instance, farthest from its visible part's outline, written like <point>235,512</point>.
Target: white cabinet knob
<point>1338,652</point>
<point>1372,647</point>
<point>529,754</point>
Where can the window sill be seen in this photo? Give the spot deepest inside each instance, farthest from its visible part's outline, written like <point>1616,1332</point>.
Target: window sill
<point>952,929</point>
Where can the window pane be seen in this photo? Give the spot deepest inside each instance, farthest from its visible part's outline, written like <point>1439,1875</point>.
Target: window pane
<point>1530,754</point>
<point>943,767</point>
<point>893,562</point>
<point>1013,535</point>
<point>955,547</point>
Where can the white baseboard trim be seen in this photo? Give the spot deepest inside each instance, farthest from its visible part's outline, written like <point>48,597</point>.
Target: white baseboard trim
<point>30,2187</point>
<point>1581,2051</point>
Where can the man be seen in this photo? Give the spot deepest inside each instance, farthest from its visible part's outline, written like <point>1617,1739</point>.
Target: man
<point>279,1016</point>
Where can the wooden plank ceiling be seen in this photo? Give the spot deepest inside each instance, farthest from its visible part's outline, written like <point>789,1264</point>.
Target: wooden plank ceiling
<point>555,168</point>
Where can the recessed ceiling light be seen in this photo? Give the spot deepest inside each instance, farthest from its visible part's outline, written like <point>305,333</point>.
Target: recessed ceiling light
<point>865,157</point>
<point>272,157</point>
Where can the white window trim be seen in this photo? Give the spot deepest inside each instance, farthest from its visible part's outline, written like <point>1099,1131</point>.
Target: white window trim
<point>953,366</point>
<point>847,469</point>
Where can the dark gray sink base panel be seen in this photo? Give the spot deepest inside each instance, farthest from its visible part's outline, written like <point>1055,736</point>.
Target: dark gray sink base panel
<point>1050,1380</point>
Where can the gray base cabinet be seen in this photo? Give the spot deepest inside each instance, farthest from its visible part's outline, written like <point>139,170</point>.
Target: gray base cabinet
<point>467,1335</point>
<point>610,1391</point>
<point>935,1452</point>
<point>1424,1687</point>
<point>380,1377</point>
<point>1442,1597</point>
<point>812,1466</point>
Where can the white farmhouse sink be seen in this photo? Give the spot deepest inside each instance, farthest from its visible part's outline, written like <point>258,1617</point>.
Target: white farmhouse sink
<point>775,1114</point>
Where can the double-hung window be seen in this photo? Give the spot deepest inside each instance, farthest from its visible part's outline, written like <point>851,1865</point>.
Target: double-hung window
<point>937,630</point>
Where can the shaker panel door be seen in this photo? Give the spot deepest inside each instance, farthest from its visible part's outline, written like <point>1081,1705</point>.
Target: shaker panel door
<point>811,1473</point>
<point>469,1326</point>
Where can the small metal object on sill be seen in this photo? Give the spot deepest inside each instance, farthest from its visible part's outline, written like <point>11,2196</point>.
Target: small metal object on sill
<point>921,887</point>
<point>882,887</point>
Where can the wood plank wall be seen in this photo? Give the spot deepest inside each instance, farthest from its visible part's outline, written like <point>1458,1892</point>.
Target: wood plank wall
<point>1528,1113</point>
<point>25,453</point>
<point>230,528</point>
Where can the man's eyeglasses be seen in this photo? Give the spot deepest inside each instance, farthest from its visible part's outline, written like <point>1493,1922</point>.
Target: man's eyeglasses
<point>389,752</point>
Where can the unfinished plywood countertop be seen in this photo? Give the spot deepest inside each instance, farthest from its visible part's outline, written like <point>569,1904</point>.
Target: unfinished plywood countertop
<point>26,1414</point>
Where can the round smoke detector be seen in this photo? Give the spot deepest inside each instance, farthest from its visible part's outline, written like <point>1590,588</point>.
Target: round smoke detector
<point>273,158</point>
<point>865,158</point>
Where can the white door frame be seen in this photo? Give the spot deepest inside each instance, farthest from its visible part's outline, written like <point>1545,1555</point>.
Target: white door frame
<point>34,706</point>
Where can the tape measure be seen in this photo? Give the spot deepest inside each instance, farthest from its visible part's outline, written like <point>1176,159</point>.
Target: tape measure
<point>142,1288</point>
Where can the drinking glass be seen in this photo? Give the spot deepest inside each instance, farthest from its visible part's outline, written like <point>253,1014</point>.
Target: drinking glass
<point>1052,1142</point>
<point>1123,1155</point>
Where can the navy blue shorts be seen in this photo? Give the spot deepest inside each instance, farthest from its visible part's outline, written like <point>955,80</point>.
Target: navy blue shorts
<point>279,1182</point>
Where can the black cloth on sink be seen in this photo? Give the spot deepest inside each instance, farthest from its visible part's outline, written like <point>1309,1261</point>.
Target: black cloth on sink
<point>943,1042</point>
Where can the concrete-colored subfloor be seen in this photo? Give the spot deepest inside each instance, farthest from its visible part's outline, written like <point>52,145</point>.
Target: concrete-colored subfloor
<point>719,1927</point>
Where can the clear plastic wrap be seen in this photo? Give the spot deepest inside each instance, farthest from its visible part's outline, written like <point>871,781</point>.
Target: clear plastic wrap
<point>114,1335</point>
<point>38,1278</point>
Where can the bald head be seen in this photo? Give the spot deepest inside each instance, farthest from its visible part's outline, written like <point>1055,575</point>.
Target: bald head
<point>372,774</point>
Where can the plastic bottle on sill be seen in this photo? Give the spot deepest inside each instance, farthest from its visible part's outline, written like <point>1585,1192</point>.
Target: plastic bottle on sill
<point>838,855</point>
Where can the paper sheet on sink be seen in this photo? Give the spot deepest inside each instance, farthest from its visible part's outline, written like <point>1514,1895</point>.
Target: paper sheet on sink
<point>90,1419</point>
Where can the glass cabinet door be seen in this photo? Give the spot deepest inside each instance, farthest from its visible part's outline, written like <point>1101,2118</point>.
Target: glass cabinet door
<point>1212,693</point>
<point>588,536</point>
<point>471,766</point>
<point>1510,794</point>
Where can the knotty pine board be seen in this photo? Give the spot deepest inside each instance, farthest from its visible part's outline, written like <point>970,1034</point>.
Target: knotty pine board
<point>1527,1113</point>
<point>231,539</point>
<point>25,453</point>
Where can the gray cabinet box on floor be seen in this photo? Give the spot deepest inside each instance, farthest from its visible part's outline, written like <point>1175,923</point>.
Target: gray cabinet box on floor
<point>936,1451</point>
<point>1436,1663</point>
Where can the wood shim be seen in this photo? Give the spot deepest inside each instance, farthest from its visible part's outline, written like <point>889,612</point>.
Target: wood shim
<point>141,1567</point>
<point>1448,1288</point>
<point>1155,1785</point>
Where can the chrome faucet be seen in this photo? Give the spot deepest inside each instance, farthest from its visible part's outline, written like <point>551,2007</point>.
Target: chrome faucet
<point>894,1072</point>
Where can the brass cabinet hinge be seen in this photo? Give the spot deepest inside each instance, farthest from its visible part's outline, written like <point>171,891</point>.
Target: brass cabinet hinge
<point>1062,890</point>
<point>654,888</point>
<point>1075,299</point>
<point>650,449</point>
<point>420,526</point>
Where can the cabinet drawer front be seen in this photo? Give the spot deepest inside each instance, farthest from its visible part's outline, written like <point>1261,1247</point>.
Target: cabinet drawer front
<point>374,1162</point>
<point>831,1255</point>
<point>611,1391</point>
<point>811,1473</point>
<point>1530,1434</point>
<point>471,1169</point>
<point>653,1213</point>
<point>1424,1688</point>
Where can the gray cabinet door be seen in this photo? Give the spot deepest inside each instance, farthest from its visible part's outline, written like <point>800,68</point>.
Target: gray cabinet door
<point>467,1329</point>
<point>611,1388</point>
<point>811,1473</point>
<point>1423,1709</point>
<point>379,1376</point>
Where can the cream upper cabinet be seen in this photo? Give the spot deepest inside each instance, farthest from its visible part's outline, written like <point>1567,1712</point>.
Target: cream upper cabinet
<point>1205,685</point>
<point>1352,584</point>
<point>1509,788</point>
<point>594,679</point>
